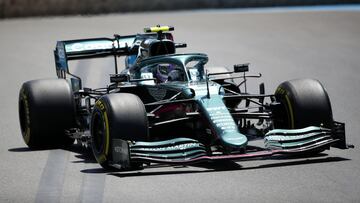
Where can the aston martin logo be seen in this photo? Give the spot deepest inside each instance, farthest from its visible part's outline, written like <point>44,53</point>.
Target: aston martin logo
<point>173,148</point>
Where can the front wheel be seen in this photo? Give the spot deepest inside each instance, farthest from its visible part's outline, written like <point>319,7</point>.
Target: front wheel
<point>116,116</point>
<point>304,102</point>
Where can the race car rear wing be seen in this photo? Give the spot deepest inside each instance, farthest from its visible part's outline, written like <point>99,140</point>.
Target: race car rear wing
<point>90,48</point>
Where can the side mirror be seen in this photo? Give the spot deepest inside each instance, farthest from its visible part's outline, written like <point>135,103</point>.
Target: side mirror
<point>119,78</point>
<point>240,68</point>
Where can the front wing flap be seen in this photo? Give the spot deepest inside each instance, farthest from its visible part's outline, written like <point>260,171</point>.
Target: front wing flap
<point>296,138</point>
<point>187,151</point>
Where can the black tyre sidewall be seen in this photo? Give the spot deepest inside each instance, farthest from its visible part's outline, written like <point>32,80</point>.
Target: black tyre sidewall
<point>305,103</point>
<point>124,117</point>
<point>100,114</point>
<point>46,109</point>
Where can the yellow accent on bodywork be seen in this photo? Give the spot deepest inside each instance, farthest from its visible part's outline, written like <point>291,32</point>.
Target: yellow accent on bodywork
<point>158,29</point>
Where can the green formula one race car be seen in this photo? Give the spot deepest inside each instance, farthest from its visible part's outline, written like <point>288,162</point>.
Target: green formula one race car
<point>168,108</point>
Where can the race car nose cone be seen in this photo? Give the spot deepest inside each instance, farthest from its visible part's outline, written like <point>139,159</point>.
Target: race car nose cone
<point>235,139</point>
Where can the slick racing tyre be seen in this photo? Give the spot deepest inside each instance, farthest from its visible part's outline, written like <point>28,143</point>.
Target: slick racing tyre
<point>120,116</point>
<point>304,103</point>
<point>46,110</point>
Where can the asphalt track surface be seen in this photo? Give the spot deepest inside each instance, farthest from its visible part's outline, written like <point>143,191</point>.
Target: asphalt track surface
<point>281,45</point>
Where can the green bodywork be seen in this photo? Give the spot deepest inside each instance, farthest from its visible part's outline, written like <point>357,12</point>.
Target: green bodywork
<point>213,108</point>
<point>296,138</point>
<point>208,95</point>
<point>169,149</point>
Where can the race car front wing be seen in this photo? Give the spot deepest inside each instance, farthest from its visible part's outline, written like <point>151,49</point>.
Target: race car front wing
<point>182,151</point>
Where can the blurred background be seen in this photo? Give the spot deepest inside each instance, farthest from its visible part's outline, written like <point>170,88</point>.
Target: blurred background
<point>24,8</point>
<point>288,39</point>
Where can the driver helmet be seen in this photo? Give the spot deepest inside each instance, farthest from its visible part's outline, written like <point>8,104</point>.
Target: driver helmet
<point>162,72</point>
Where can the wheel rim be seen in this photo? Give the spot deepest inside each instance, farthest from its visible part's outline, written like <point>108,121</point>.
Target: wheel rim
<point>98,133</point>
<point>22,116</point>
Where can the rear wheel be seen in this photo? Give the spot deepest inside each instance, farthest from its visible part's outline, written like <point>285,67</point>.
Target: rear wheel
<point>46,110</point>
<point>120,116</point>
